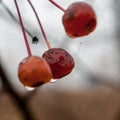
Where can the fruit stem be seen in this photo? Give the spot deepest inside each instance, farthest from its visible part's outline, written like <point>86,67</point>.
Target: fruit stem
<point>58,6</point>
<point>40,25</point>
<point>23,29</point>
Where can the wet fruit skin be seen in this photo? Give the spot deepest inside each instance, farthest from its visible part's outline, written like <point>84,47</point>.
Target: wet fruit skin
<point>79,20</point>
<point>34,71</point>
<point>60,62</point>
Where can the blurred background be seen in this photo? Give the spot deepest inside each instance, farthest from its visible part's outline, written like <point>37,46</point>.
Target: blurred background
<point>97,60</point>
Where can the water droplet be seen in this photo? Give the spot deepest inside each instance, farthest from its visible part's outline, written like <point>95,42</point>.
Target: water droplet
<point>53,80</point>
<point>29,88</point>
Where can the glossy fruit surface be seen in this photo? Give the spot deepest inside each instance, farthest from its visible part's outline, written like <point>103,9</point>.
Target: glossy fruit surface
<point>60,62</point>
<point>79,19</point>
<point>34,71</point>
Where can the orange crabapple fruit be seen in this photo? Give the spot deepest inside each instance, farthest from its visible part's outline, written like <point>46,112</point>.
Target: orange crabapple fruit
<point>60,62</point>
<point>34,71</point>
<point>79,19</point>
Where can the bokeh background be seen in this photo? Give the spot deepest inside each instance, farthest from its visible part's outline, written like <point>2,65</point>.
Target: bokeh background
<point>96,56</point>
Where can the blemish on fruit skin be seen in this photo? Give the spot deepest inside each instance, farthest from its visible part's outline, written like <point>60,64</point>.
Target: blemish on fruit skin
<point>37,84</point>
<point>90,25</point>
<point>24,60</point>
<point>70,15</point>
<point>55,71</point>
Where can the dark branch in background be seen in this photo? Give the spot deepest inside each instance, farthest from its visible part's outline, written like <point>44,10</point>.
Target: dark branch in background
<point>34,38</point>
<point>20,102</point>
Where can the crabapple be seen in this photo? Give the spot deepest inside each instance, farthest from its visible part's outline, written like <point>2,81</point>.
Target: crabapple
<point>60,62</point>
<point>34,71</point>
<point>79,19</point>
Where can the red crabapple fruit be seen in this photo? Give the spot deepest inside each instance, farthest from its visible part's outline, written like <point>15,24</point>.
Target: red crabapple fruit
<point>60,62</point>
<point>79,19</point>
<point>34,71</point>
